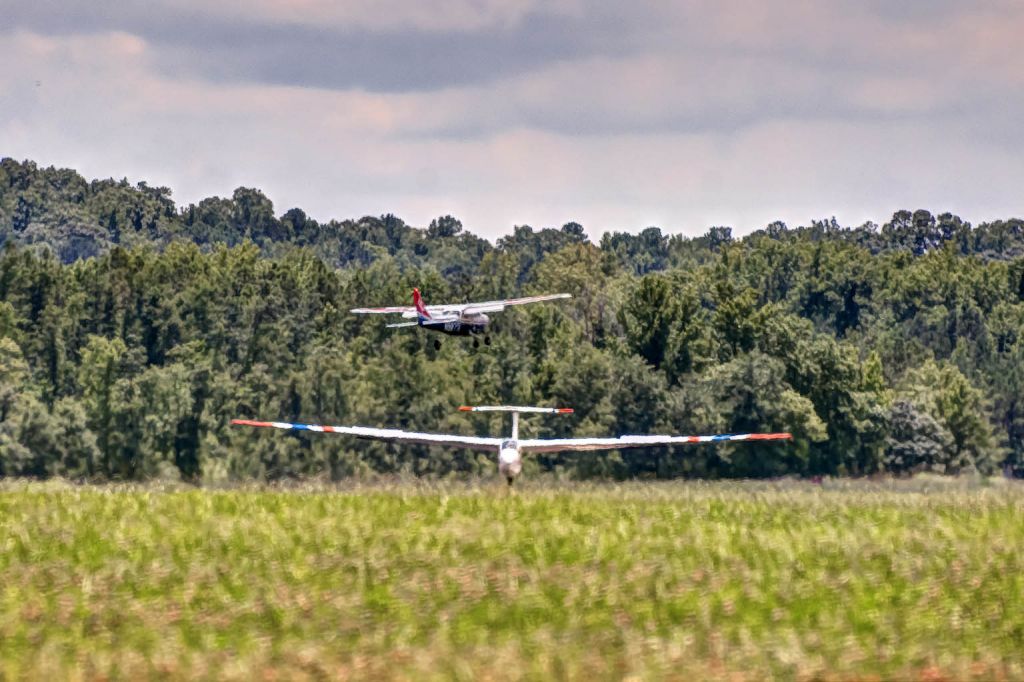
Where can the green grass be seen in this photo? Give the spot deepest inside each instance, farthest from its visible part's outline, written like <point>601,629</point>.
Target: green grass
<point>681,580</point>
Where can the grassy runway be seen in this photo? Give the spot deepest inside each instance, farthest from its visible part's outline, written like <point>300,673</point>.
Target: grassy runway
<point>921,580</point>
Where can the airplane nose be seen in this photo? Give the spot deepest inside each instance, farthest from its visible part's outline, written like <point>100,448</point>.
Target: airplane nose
<point>509,462</point>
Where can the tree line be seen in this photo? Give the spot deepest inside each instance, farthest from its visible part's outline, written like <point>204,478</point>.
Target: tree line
<point>132,331</point>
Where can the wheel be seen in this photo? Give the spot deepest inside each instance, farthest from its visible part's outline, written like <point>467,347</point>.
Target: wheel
<point>476,343</point>
<point>437,344</point>
<point>487,340</point>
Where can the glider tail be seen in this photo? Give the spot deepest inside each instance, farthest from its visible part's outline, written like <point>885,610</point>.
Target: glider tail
<point>417,301</point>
<point>516,411</point>
<point>512,408</point>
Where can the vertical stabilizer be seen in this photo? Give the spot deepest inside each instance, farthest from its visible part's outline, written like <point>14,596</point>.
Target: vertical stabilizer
<point>417,301</point>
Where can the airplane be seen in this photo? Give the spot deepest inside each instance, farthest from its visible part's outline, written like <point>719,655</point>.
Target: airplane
<point>511,450</point>
<point>455,319</point>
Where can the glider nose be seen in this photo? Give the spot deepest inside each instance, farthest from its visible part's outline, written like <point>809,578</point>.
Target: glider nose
<point>510,463</point>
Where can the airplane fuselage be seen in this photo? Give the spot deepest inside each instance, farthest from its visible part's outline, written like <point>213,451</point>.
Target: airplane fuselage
<point>510,460</point>
<point>456,326</point>
<point>510,457</point>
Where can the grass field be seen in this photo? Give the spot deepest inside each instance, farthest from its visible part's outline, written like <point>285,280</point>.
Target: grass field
<point>920,580</point>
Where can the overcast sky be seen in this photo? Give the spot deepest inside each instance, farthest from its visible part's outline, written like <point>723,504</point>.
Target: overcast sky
<point>503,112</point>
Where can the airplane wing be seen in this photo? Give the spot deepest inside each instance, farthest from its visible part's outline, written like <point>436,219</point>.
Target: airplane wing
<point>394,435</point>
<point>560,444</point>
<point>437,312</point>
<point>450,309</point>
<point>498,306</point>
<point>395,309</point>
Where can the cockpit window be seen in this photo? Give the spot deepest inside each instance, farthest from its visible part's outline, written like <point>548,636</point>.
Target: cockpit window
<point>506,444</point>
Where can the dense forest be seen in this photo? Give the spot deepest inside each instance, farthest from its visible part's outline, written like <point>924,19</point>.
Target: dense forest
<point>132,330</point>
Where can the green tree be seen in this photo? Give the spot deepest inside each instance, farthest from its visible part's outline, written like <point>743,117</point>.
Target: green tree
<point>751,394</point>
<point>916,441</point>
<point>445,226</point>
<point>942,391</point>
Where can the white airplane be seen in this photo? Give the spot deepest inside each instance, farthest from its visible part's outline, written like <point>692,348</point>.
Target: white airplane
<point>510,450</point>
<point>456,319</point>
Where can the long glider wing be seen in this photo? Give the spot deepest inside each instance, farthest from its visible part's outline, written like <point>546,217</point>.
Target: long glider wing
<point>498,306</point>
<point>560,444</point>
<point>393,435</point>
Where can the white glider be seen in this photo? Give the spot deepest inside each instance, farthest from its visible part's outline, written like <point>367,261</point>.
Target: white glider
<point>510,450</point>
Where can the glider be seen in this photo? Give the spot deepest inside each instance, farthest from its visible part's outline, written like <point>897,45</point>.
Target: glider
<point>455,319</point>
<point>510,450</point>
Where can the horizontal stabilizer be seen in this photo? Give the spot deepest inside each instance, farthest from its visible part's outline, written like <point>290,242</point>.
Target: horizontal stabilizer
<point>513,408</point>
<point>384,311</point>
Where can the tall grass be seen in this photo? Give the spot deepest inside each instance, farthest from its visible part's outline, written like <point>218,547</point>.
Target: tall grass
<point>918,580</point>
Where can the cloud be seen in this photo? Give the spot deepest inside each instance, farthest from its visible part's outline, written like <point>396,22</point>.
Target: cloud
<point>364,15</point>
<point>379,46</point>
<point>390,15</point>
<point>400,46</point>
<point>677,114</point>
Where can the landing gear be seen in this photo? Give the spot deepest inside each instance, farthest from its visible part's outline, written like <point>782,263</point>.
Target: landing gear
<point>476,343</point>
<point>437,344</point>
<point>510,480</point>
<point>487,340</point>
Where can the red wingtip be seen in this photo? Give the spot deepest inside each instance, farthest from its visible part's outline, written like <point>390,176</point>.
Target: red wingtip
<point>771,436</point>
<point>465,408</point>
<point>248,422</point>
<point>564,410</point>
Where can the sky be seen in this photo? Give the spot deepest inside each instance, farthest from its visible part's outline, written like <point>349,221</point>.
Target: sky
<point>680,114</point>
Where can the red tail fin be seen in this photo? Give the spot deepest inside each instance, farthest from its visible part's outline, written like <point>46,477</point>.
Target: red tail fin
<point>417,301</point>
